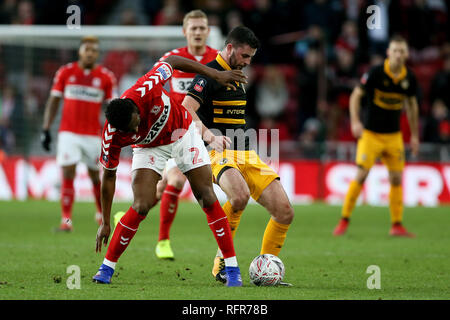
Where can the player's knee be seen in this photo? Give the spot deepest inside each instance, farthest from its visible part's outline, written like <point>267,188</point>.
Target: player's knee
<point>176,178</point>
<point>239,201</point>
<point>69,173</point>
<point>177,181</point>
<point>361,175</point>
<point>284,213</point>
<point>395,180</point>
<point>205,195</point>
<point>142,207</point>
<point>160,188</point>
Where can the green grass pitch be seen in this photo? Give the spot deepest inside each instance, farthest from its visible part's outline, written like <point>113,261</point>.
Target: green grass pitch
<point>34,260</point>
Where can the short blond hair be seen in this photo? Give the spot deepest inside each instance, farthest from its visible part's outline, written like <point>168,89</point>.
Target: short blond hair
<point>194,14</point>
<point>398,38</point>
<point>89,38</point>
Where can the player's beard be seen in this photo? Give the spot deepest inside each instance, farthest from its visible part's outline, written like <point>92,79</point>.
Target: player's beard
<point>233,64</point>
<point>88,63</point>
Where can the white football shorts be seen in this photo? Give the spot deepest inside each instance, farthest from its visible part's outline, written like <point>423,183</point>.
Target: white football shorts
<point>189,153</point>
<point>73,148</point>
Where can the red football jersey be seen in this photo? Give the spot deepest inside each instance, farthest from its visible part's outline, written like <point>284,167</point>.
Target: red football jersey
<point>160,115</point>
<point>181,81</point>
<point>83,91</point>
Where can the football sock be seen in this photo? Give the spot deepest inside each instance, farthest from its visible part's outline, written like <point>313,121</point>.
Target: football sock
<point>67,197</point>
<point>218,223</point>
<point>231,262</point>
<point>234,217</point>
<point>350,199</point>
<point>396,203</point>
<point>123,233</point>
<point>167,211</point>
<point>274,237</point>
<point>109,263</point>
<point>96,190</point>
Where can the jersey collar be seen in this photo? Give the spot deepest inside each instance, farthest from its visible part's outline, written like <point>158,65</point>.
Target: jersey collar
<point>222,62</point>
<point>395,79</point>
<point>225,66</point>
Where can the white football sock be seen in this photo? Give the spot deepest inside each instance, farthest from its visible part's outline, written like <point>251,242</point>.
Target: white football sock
<point>109,263</point>
<point>231,262</point>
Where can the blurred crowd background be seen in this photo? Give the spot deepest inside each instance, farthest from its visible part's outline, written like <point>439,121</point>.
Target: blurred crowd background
<point>313,54</point>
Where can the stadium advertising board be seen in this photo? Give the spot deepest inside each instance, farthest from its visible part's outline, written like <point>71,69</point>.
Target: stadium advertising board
<point>426,184</point>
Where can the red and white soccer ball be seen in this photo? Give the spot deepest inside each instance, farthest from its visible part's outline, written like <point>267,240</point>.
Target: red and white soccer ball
<point>266,270</point>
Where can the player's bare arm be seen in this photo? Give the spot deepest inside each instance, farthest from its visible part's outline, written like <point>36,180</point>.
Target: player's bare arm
<point>225,78</point>
<point>355,107</point>
<point>216,142</point>
<point>51,109</point>
<point>412,112</point>
<point>107,192</point>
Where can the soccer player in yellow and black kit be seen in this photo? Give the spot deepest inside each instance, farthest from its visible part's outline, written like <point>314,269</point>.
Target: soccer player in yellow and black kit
<point>387,88</point>
<point>236,168</point>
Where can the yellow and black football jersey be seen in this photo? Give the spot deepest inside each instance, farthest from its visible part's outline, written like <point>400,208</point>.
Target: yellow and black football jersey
<point>384,97</point>
<point>221,108</point>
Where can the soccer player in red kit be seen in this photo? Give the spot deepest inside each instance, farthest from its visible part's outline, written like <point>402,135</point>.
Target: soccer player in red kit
<point>84,85</point>
<point>159,128</point>
<point>196,31</point>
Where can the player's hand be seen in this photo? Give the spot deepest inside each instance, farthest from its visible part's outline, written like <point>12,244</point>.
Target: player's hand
<point>414,144</point>
<point>102,236</point>
<point>46,139</point>
<point>357,129</point>
<point>218,143</point>
<point>227,78</point>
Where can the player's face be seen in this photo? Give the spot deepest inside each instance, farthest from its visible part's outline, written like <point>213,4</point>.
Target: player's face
<point>241,56</point>
<point>88,53</point>
<point>397,53</point>
<point>133,126</point>
<point>196,32</point>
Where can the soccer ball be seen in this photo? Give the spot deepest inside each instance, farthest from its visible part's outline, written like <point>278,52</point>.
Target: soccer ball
<point>266,270</point>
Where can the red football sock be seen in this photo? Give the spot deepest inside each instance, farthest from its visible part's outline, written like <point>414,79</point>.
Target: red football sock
<point>167,211</point>
<point>218,222</point>
<point>96,190</point>
<point>67,197</point>
<point>123,233</point>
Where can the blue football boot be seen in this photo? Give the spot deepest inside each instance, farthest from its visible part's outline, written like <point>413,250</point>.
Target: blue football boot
<point>233,278</point>
<point>103,275</point>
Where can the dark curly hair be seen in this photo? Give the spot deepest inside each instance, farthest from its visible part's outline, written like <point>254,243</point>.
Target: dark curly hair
<point>118,113</point>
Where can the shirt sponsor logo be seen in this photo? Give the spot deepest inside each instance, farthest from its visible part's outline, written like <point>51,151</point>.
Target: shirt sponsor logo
<point>157,126</point>
<point>388,100</point>
<point>236,111</point>
<point>83,93</point>
<point>160,123</point>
